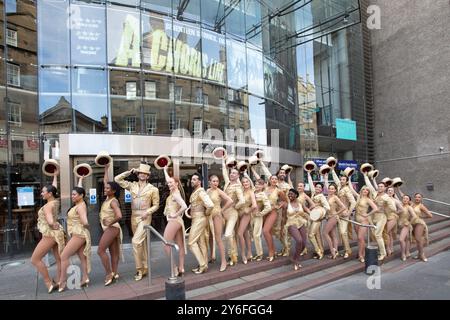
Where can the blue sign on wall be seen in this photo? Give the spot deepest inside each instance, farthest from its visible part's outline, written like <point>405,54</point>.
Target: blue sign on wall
<point>342,164</point>
<point>346,129</point>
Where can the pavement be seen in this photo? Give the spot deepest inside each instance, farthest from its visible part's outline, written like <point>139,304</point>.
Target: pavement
<point>19,279</point>
<point>398,281</point>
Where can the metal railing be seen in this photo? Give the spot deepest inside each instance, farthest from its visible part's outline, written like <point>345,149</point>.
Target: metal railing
<point>361,225</point>
<point>439,202</point>
<point>172,246</point>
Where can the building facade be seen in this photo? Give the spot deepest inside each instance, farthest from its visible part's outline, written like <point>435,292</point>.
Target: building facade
<point>144,78</point>
<point>411,95</point>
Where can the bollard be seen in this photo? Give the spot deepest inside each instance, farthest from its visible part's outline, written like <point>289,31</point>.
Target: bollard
<point>175,289</point>
<point>371,257</point>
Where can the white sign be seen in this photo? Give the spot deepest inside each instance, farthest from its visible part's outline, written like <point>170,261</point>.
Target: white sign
<point>92,196</point>
<point>25,196</point>
<point>127,196</point>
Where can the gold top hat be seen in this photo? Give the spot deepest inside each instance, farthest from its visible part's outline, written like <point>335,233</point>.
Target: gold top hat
<point>49,167</point>
<point>331,162</point>
<point>103,158</point>
<point>366,167</point>
<point>324,169</point>
<point>162,161</point>
<point>387,181</point>
<point>310,166</point>
<point>242,166</point>
<point>231,162</point>
<point>253,160</point>
<point>143,168</point>
<point>373,174</point>
<point>397,182</point>
<point>82,170</point>
<point>348,172</point>
<point>287,168</point>
<point>219,153</point>
<point>259,154</point>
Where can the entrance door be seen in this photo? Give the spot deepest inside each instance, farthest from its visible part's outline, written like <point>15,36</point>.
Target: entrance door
<point>122,164</point>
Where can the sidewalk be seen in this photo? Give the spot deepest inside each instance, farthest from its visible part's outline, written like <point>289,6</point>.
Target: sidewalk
<point>18,277</point>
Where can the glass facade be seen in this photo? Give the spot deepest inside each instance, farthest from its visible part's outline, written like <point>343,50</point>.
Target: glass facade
<point>150,67</point>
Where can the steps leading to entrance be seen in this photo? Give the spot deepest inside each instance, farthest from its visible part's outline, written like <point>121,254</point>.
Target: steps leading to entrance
<point>245,279</point>
<point>283,281</point>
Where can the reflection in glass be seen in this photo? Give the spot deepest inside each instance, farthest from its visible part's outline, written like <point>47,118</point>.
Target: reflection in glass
<point>255,72</point>
<point>236,64</point>
<point>89,99</point>
<point>125,106</point>
<point>257,114</point>
<point>53,47</point>
<point>213,56</point>
<point>124,38</point>
<point>88,34</point>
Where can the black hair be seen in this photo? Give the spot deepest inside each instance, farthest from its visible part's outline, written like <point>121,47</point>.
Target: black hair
<point>116,187</point>
<point>407,195</point>
<point>79,190</point>
<point>199,176</point>
<point>418,193</point>
<point>295,192</point>
<point>51,188</point>
<point>320,184</point>
<point>384,184</point>
<point>260,181</point>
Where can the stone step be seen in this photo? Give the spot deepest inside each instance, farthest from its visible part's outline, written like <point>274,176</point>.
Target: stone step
<point>142,290</point>
<point>313,271</point>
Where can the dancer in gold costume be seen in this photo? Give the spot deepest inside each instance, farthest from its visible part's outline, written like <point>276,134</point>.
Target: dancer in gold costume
<point>233,189</point>
<point>53,237</point>
<point>216,220</point>
<point>319,200</point>
<point>144,202</point>
<point>392,219</point>
<point>306,201</point>
<point>80,241</point>
<point>245,215</point>
<point>110,215</point>
<point>363,204</point>
<point>384,204</point>
<point>345,195</point>
<point>337,208</point>
<point>405,226</point>
<point>174,210</point>
<point>264,208</point>
<point>201,207</point>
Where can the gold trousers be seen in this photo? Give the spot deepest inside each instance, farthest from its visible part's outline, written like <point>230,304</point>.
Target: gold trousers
<point>315,236</point>
<point>380,220</point>
<point>343,231</point>
<point>231,218</point>
<point>257,224</point>
<point>139,242</point>
<point>197,239</point>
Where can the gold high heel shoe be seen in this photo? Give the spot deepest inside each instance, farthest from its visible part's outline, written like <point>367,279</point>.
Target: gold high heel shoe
<point>270,258</point>
<point>257,258</point>
<point>202,269</point>
<point>52,287</point>
<point>346,255</point>
<point>423,258</point>
<point>116,276</point>
<point>305,251</point>
<point>320,255</point>
<point>297,266</point>
<point>361,259</point>
<point>403,258</point>
<point>222,269</point>
<point>244,261</point>
<point>109,279</point>
<point>61,288</point>
<point>85,284</point>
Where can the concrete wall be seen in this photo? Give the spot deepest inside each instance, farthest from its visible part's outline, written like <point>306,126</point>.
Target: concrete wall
<point>411,79</point>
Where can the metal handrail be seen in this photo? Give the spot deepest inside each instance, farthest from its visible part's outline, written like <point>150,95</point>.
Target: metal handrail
<point>436,201</point>
<point>440,214</point>
<point>362,225</point>
<point>149,230</point>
